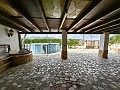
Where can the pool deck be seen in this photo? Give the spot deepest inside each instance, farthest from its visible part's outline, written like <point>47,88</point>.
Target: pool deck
<point>82,71</point>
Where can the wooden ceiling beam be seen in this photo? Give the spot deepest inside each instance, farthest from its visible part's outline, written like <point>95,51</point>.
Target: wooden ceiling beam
<point>105,19</point>
<point>94,3</point>
<point>64,15</point>
<point>55,33</point>
<point>7,18</point>
<point>41,9</point>
<point>8,23</point>
<point>17,22</point>
<point>107,28</point>
<point>116,21</point>
<point>104,5</point>
<point>26,16</point>
<point>114,30</point>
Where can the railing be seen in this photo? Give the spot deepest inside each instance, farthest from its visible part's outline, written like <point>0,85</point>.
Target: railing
<point>42,48</point>
<point>26,46</point>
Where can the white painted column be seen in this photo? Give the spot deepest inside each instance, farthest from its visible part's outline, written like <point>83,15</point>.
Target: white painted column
<point>103,49</point>
<point>64,45</point>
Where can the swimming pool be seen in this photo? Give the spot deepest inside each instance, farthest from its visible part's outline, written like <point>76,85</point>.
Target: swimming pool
<point>44,48</point>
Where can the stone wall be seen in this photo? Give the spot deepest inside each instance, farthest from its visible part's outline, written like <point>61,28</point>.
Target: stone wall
<point>4,39</point>
<point>19,59</point>
<point>5,63</point>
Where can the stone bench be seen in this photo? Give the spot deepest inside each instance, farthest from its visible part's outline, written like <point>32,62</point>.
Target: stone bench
<point>14,60</point>
<point>18,59</point>
<point>5,63</point>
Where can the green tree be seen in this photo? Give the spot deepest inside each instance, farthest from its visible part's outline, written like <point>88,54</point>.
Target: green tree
<point>115,39</point>
<point>73,42</point>
<point>27,41</point>
<point>45,40</point>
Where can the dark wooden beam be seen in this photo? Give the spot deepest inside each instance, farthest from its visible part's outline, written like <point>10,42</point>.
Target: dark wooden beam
<point>115,31</point>
<point>66,8</point>
<point>116,21</point>
<point>10,24</point>
<point>107,28</point>
<point>55,33</point>
<point>41,9</point>
<point>111,29</point>
<point>8,19</point>
<point>17,22</point>
<point>19,38</point>
<point>24,14</point>
<point>105,19</point>
<point>102,9</point>
<point>93,4</point>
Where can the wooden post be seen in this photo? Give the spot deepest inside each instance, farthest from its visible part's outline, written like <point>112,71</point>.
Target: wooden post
<point>64,45</point>
<point>103,49</point>
<point>20,43</point>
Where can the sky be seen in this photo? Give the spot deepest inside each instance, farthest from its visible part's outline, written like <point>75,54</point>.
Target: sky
<point>70,36</point>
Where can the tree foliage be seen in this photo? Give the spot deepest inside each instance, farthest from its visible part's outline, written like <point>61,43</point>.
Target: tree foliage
<point>115,39</point>
<point>71,42</point>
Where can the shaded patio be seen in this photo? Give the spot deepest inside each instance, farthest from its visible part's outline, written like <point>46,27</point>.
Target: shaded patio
<point>82,71</point>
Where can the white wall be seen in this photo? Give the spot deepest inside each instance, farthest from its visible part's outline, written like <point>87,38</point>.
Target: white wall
<point>12,41</point>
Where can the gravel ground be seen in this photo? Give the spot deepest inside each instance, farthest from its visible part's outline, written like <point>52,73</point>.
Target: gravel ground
<point>83,70</point>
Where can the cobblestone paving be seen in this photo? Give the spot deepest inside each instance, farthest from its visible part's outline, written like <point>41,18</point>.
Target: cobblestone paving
<point>82,71</point>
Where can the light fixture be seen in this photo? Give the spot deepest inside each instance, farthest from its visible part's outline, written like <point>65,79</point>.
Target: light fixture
<point>10,33</point>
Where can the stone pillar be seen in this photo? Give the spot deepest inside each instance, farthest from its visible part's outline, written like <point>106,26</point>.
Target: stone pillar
<point>103,49</point>
<point>64,45</point>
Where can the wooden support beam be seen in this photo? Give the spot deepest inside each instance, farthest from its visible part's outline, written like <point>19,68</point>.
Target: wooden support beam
<point>103,49</point>
<point>64,15</point>
<point>103,25</point>
<point>20,43</point>
<point>24,14</point>
<point>105,19</point>
<point>102,9</point>
<point>116,29</point>
<point>55,33</point>
<point>17,22</point>
<point>64,45</point>
<point>94,3</point>
<point>106,28</point>
<point>7,22</point>
<point>41,9</point>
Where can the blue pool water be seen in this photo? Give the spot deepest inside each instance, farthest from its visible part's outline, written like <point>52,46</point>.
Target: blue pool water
<point>45,48</point>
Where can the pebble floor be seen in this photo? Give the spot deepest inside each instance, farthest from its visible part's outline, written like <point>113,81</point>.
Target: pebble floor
<point>82,71</point>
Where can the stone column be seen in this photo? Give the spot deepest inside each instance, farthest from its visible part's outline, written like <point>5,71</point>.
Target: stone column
<point>64,45</point>
<point>103,49</point>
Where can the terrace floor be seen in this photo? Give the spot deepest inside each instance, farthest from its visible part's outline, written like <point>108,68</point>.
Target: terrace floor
<point>82,71</point>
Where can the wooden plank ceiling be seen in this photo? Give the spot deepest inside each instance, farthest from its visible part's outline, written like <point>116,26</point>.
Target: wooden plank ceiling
<point>53,16</point>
